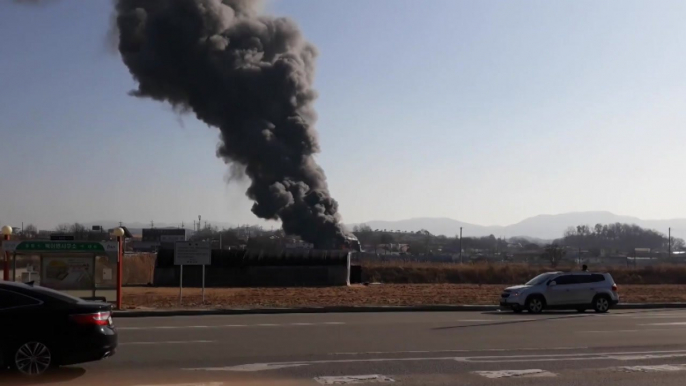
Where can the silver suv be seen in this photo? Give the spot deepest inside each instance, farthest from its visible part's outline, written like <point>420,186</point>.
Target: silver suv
<point>563,290</point>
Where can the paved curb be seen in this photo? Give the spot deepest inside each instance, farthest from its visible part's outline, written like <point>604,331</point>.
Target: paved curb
<point>324,310</point>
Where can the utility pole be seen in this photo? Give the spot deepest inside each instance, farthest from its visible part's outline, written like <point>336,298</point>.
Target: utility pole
<point>670,243</point>
<point>460,245</point>
<point>579,257</point>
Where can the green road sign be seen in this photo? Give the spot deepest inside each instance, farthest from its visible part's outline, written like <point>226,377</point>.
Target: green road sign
<point>72,246</point>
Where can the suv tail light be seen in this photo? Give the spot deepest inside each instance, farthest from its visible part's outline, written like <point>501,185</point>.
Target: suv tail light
<point>614,288</point>
<point>96,319</point>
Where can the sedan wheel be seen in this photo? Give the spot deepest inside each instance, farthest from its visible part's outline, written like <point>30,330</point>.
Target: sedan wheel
<point>33,358</point>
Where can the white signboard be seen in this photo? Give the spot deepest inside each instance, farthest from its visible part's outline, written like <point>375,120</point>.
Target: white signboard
<point>192,253</point>
<point>110,246</point>
<point>9,246</point>
<point>67,272</point>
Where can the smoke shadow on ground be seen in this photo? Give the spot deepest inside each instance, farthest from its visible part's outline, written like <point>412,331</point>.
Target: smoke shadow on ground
<point>58,375</point>
<point>518,321</point>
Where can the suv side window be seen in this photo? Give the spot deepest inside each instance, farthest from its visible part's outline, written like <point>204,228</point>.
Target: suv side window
<point>597,278</point>
<point>9,299</point>
<point>584,278</point>
<point>565,280</point>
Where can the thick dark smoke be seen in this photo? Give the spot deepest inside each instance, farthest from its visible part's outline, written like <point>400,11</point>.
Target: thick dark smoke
<point>250,76</point>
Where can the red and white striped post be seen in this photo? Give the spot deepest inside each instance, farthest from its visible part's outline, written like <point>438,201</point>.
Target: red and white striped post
<point>6,233</point>
<point>119,233</point>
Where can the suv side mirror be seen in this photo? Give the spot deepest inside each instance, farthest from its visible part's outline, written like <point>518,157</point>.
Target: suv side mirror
<point>552,283</point>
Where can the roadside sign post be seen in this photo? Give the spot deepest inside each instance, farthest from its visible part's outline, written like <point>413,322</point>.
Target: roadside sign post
<point>192,253</point>
<point>181,285</point>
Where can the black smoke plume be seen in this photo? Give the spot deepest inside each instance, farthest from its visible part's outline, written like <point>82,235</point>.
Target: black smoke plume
<point>251,77</point>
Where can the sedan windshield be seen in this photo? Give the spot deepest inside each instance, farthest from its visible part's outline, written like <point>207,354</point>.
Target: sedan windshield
<point>540,278</point>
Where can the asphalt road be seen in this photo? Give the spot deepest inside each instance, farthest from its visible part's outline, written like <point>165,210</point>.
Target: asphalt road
<point>440,348</point>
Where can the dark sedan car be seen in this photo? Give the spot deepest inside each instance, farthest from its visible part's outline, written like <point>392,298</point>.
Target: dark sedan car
<point>42,328</point>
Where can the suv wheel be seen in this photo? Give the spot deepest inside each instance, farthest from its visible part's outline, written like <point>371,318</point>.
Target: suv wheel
<point>535,304</point>
<point>601,304</point>
<point>32,358</point>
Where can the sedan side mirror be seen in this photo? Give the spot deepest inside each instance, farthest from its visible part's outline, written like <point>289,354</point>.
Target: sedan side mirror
<point>552,283</point>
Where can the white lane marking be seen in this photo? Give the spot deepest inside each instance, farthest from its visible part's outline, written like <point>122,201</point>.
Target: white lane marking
<point>491,320</point>
<point>352,379</point>
<point>232,325</point>
<point>189,384</point>
<point>168,342</point>
<point>604,331</point>
<point>530,373</point>
<point>641,330</point>
<point>641,357</point>
<point>473,359</point>
<point>648,369</point>
<point>178,327</point>
<point>249,367</point>
<point>665,324</point>
<point>460,351</point>
<point>646,315</point>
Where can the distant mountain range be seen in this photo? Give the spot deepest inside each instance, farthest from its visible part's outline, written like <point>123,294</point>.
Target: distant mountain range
<point>545,227</point>
<point>539,228</point>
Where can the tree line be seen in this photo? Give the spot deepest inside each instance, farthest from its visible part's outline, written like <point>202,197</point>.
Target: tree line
<point>423,242</point>
<point>617,238</point>
<point>612,238</point>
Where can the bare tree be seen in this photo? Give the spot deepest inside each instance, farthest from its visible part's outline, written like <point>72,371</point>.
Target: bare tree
<point>30,231</point>
<point>554,254</point>
<point>386,239</point>
<point>62,228</point>
<point>79,231</point>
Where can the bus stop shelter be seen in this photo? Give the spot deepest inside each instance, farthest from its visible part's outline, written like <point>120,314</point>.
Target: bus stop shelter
<point>84,269</point>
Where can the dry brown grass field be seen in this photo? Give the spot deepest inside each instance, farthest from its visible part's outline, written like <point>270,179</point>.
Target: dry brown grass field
<point>405,273</point>
<point>403,284</point>
<point>138,268</point>
<point>359,295</point>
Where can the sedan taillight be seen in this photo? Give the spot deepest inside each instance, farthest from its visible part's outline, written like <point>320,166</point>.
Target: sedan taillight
<point>97,319</point>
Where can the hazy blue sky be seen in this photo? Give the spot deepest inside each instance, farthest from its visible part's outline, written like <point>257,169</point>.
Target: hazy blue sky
<point>483,111</point>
